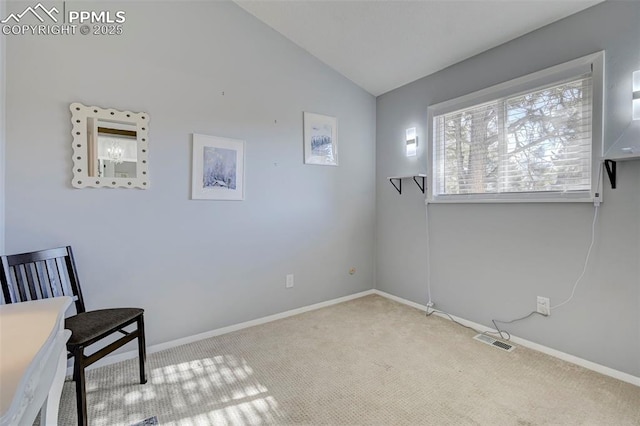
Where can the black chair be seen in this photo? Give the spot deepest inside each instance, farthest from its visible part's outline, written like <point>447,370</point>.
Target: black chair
<point>52,273</point>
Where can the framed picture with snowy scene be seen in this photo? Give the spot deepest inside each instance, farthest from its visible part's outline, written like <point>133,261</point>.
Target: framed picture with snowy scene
<point>320,139</point>
<point>218,168</point>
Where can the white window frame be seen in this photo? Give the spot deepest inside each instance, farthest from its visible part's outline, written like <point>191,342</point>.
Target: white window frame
<point>593,63</point>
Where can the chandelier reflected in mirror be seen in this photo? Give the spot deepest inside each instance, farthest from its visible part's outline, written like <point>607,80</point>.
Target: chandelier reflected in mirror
<point>115,152</point>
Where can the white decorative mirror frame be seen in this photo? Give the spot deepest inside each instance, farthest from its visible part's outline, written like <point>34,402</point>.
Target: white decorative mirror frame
<point>94,163</point>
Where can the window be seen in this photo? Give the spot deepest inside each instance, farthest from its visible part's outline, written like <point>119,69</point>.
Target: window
<point>530,139</point>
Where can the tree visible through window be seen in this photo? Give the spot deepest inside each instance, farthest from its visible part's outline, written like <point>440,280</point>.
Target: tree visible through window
<point>539,141</point>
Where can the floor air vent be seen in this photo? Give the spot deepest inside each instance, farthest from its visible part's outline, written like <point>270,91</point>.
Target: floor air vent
<point>493,342</point>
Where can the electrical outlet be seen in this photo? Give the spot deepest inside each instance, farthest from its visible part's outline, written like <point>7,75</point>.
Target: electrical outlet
<point>544,306</point>
<point>289,281</point>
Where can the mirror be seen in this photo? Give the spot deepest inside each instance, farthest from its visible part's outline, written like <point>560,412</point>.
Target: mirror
<point>110,147</point>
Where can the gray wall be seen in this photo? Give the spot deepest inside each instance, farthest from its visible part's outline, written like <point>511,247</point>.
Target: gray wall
<point>193,265</point>
<point>2,128</point>
<point>490,261</point>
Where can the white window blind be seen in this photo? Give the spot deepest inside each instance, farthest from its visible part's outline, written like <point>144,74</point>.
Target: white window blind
<point>539,141</point>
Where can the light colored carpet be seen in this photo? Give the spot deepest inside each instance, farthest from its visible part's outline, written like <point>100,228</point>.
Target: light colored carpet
<point>368,361</point>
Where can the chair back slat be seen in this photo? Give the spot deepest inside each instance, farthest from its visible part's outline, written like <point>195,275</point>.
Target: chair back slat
<point>40,275</point>
<point>56,289</point>
<point>22,286</point>
<point>32,281</point>
<point>8,291</point>
<point>56,277</point>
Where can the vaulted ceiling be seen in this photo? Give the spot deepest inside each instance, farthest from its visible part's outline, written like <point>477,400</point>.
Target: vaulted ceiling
<point>382,45</point>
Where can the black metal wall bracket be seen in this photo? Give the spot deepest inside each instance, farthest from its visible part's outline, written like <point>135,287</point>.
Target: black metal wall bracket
<point>416,181</point>
<point>398,179</point>
<point>610,166</point>
<point>398,187</point>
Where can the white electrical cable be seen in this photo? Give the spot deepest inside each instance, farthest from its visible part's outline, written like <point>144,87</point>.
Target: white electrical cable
<point>593,240</point>
<point>586,260</point>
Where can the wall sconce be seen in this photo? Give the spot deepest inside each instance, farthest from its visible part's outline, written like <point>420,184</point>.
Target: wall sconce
<point>636,95</point>
<point>412,142</point>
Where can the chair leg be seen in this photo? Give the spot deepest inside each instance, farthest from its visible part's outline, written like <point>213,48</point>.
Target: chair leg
<point>142,350</point>
<point>78,377</point>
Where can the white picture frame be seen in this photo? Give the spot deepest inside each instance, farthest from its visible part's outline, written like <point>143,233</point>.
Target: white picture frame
<point>320,139</point>
<point>218,168</point>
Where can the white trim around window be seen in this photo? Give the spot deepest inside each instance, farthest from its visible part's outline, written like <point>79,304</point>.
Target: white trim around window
<point>587,70</point>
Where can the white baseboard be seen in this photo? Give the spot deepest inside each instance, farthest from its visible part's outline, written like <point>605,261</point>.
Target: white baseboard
<point>625,377</point>
<point>112,359</point>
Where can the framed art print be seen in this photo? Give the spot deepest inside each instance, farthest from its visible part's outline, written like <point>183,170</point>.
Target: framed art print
<point>218,168</point>
<point>320,139</point>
